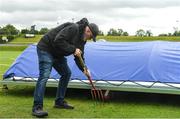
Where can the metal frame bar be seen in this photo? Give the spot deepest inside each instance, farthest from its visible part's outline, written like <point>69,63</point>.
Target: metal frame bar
<point>127,86</point>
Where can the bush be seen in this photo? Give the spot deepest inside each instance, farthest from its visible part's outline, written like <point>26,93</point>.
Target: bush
<point>10,37</point>
<point>1,39</point>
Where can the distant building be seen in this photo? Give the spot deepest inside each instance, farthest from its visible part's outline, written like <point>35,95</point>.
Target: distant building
<point>29,35</point>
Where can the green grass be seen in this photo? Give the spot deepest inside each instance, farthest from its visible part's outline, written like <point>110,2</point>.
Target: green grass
<point>6,59</point>
<point>137,39</point>
<point>23,40</point>
<point>26,41</point>
<point>17,103</point>
<point>12,48</point>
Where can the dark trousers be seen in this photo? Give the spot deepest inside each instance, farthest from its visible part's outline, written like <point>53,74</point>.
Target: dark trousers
<point>46,62</point>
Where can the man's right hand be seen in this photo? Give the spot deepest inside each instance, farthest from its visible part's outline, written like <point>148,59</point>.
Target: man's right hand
<point>77,52</point>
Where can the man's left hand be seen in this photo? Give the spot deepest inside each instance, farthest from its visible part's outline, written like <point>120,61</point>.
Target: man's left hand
<point>87,72</point>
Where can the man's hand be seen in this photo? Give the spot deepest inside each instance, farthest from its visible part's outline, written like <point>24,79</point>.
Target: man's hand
<point>77,52</point>
<point>87,72</point>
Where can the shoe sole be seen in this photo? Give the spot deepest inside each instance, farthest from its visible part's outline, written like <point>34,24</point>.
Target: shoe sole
<point>61,107</point>
<point>39,115</point>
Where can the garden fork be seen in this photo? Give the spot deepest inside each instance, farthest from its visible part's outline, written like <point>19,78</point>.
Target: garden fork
<point>96,94</point>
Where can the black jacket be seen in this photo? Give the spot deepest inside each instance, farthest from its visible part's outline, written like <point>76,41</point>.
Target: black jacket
<point>63,40</point>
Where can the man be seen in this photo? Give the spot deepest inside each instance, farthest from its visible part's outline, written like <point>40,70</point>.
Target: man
<point>64,40</point>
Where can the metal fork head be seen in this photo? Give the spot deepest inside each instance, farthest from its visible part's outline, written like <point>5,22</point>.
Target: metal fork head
<point>97,95</point>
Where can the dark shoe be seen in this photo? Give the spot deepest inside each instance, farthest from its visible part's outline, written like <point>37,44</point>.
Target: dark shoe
<point>63,105</point>
<point>38,112</point>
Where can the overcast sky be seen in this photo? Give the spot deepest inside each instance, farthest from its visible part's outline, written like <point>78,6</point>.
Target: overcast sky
<point>129,15</point>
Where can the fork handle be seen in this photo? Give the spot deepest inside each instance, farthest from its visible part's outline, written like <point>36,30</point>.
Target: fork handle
<point>83,65</point>
<point>82,62</point>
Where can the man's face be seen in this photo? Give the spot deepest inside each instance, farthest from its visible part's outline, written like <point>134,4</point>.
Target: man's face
<point>87,34</point>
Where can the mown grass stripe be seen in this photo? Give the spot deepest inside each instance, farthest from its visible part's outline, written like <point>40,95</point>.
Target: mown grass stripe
<point>4,64</point>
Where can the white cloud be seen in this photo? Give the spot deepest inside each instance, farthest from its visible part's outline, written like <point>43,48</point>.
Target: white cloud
<point>130,15</point>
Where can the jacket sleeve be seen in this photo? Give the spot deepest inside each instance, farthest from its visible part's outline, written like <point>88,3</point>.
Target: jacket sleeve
<point>62,40</point>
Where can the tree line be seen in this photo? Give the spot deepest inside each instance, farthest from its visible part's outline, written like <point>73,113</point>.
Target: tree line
<point>140,32</point>
<point>12,30</point>
<point>9,30</point>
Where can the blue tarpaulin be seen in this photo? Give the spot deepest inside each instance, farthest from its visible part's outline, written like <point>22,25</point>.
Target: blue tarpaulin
<point>155,61</point>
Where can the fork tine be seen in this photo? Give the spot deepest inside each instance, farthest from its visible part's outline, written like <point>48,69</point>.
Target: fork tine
<point>99,95</point>
<point>102,96</point>
<point>96,95</point>
<point>92,94</point>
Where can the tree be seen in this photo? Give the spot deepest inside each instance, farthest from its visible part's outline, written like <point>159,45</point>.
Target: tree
<point>120,32</point>
<point>25,31</point>
<point>9,30</point>
<point>148,33</point>
<point>162,34</point>
<point>33,31</point>
<point>43,30</point>
<point>169,34</point>
<point>1,32</point>
<point>125,34</point>
<point>140,32</point>
<point>176,31</point>
<point>112,32</point>
<point>101,33</point>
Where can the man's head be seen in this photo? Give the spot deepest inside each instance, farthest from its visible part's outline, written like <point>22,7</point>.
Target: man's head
<point>91,31</point>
